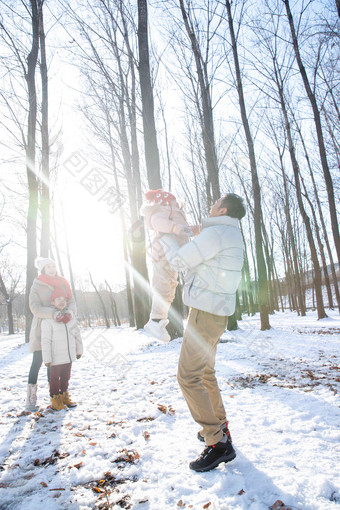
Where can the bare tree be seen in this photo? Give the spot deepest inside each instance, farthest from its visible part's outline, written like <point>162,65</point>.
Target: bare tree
<point>107,322</point>
<point>32,180</point>
<point>260,260</point>
<point>319,131</point>
<point>10,279</point>
<point>149,127</point>
<point>45,144</point>
<point>206,118</point>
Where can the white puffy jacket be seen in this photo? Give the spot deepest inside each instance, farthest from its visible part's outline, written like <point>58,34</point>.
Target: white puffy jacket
<point>213,262</point>
<point>60,343</point>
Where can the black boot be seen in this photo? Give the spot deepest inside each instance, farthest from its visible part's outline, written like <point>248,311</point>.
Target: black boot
<point>213,455</point>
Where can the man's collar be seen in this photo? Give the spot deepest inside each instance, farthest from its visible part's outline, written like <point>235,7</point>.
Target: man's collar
<point>220,220</point>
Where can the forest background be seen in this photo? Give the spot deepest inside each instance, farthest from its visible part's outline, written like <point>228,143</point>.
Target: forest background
<point>103,100</point>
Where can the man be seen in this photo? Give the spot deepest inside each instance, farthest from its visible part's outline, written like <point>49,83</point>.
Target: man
<point>213,262</point>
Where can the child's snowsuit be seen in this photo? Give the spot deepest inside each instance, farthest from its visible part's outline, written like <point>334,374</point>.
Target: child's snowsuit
<point>61,343</point>
<point>163,219</point>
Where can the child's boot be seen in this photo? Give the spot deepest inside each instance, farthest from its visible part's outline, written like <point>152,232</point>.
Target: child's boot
<point>67,400</point>
<point>158,329</point>
<point>57,402</point>
<point>31,400</point>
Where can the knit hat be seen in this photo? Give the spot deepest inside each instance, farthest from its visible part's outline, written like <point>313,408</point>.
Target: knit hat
<point>58,292</point>
<point>41,262</point>
<point>158,196</point>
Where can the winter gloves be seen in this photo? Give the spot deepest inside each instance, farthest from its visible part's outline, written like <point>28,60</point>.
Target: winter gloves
<point>63,316</point>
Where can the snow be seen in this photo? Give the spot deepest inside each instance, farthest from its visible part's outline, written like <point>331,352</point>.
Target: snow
<point>280,388</point>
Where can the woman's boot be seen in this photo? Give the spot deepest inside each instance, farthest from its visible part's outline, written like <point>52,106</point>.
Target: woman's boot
<point>31,400</point>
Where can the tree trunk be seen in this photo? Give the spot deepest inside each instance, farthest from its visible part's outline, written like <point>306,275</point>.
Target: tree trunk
<point>207,118</point>
<point>321,215</point>
<point>9,305</point>
<point>260,261</point>
<point>306,220</point>
<point>55,240</point>
<point>107,322</point>
<point>297,280</point>
<point>319,133</point>
<point>32,58</point>
<point>130,303</point>
<point>68,257</point>
<point>45,147</point>
<point>321,250</point>
<point>149,128</point>
<point>131,163</point>
<point>248,280</point>
<point>114,309</point>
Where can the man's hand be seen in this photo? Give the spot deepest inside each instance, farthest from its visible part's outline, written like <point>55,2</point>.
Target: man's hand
<point>78,356</point>
<point>48,364</point>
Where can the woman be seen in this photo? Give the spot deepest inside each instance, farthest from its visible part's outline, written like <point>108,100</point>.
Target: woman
<point>40,305</point>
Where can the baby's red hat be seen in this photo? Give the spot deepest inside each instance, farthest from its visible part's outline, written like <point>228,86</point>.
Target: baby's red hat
<point>158,196</point>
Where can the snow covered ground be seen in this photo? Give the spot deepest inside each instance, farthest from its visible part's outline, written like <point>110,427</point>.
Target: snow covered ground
<point>129,441</point>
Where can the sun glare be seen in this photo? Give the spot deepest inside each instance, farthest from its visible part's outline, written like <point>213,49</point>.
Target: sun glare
<point>94,234</point>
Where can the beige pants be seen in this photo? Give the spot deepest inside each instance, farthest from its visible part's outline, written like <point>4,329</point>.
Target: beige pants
<point>164,283</point>
<point>196,372</point>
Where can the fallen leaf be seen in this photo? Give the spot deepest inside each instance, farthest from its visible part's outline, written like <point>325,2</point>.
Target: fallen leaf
<point>277,505</point>
<point>148,418</point>
<point>130,457</point>
<point>36,462</point>
<point>43,484</point>
<point>146,435</point>
<point>207,505</point>
<point>180,503</point>
<point>162,408</point>
<point>241,492</point>
<point>78,466</point>
<point>93,444</point>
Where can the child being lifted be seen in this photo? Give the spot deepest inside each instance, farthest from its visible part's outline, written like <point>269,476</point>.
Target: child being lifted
<point>163,215</point>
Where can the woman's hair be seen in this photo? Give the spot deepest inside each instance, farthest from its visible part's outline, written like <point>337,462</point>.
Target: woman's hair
<point>234,205</point>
